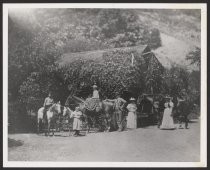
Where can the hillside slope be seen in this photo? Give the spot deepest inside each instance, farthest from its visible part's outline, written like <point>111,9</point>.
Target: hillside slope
<point>181,24</point>
<point>173,52</point>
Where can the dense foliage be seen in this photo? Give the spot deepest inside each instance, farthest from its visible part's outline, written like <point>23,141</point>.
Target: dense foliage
<point>37,40</point>
<point>115,75</point>
<point>194,56</point>
<point>37,43</point>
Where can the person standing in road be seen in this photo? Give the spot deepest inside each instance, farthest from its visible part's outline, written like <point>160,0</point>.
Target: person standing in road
<point>168,122</point>
<point>132,116</point>
<point>76,115</point>
<point>120,103</point>
<point>118,115</point>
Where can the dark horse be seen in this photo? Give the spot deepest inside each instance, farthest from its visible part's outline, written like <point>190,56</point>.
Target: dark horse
<point>151,108</point>
<point>182,108</point>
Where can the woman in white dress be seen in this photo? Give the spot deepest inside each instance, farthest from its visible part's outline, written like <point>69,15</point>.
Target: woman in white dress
<point>132,117</point>
<point>76,115</point>
<point>168,122</point>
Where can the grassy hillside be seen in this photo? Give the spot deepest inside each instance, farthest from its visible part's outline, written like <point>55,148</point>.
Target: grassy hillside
<point>181,24</point>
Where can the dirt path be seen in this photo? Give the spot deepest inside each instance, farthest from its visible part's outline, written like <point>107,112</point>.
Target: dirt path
<point>143,144</point>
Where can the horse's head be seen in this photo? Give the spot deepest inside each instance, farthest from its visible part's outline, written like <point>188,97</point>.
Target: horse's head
<point>139,99</point>
<point>82,106</point>
<point>66,111</point>
<point>57,107</point>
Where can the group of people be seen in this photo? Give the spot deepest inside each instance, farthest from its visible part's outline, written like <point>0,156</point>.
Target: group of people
<point>167,121</point>
<point>76,115</point>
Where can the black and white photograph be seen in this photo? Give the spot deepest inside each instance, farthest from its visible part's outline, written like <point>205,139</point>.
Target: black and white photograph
<point>104,85</point>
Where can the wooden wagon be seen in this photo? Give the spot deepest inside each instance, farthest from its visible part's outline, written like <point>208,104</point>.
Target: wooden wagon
<point>147,111</point>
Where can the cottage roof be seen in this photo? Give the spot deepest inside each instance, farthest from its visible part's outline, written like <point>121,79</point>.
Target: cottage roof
<point>96,55</point>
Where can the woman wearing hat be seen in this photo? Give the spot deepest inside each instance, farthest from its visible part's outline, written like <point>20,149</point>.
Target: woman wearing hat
<point>168,122</point>
<point>132,118</point>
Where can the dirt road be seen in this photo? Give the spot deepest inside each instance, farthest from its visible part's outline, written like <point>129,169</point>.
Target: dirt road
<point>140,145</point>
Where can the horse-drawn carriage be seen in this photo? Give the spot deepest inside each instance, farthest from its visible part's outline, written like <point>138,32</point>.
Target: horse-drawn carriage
<point>149,106</point>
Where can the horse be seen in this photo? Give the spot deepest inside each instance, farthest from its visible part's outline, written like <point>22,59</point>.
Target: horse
<point>52,114</point>
<point>94,118</point>
<point>115,114</point>
<point>182,108</point>
<point>67,112</point>
<point>102,115</point>
<point>110,111</point>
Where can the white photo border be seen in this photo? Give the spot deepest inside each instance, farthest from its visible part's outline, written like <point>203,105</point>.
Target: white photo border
<point>203,117</point>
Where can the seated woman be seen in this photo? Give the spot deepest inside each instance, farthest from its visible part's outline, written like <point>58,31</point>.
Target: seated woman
<point>93,102</point>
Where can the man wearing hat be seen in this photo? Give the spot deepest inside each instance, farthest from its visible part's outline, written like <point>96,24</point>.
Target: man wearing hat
<point>119,110</point>
<point>48,102</point>
<point>160,111</point>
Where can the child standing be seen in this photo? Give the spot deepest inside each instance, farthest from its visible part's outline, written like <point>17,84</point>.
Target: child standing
<point>76,115</point>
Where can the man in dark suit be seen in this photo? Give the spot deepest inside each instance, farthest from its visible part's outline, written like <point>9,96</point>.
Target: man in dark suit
<point>183,110</point>
<point>160,111</point>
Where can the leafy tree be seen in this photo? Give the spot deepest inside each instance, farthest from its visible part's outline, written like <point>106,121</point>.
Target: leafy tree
<point>176,79</point>
<point>119,27</point>
<point>18,61</point>
<point>194,78</point>
<point>194,56</point>
<point>38,84</point>
<point>32,53</point>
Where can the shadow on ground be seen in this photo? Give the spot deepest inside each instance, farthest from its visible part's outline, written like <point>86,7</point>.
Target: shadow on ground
<point>14,143</point>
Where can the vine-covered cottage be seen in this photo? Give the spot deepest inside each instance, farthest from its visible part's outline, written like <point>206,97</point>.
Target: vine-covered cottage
<point>126,63</point>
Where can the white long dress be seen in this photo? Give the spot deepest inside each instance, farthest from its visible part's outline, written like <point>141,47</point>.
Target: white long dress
<point>168,122</point>
<point>132,118</point>
<point>77,122</point>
